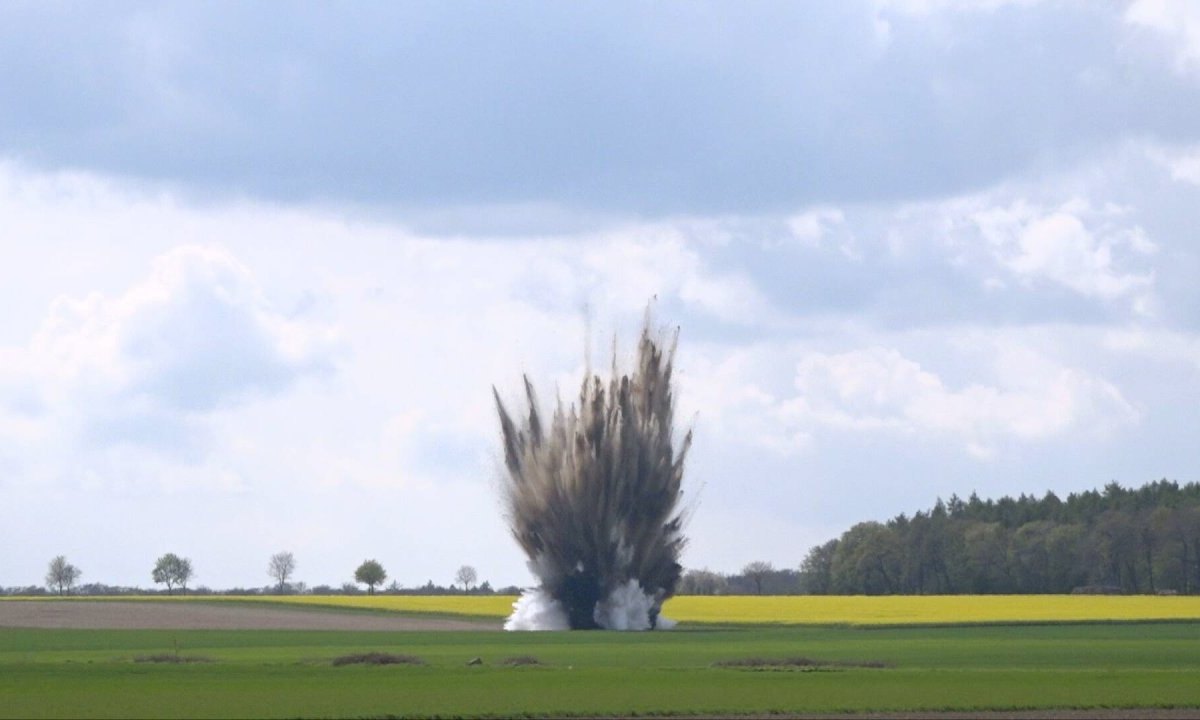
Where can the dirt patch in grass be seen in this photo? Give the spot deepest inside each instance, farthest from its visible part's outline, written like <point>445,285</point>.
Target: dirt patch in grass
<point>377,658</point>
<point>171,658</point>
<point>795,663</point>
<point>520,660</point>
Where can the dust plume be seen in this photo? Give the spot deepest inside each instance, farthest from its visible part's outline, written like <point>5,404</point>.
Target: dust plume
<point>593,498</point>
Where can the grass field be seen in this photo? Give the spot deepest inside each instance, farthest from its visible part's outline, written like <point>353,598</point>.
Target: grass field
<point>86,673</point>
<point>794,610</point>
<point>874,654</point>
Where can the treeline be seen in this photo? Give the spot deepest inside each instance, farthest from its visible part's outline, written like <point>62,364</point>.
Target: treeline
<point>1116,540</point>
<point>291,588</point>
<point>174,571</point>
<point>757,578</point>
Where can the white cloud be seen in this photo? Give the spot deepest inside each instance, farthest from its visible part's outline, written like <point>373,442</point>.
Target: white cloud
<point>928,7</point>
<point>625,268</point>
<point>380,453</point>
<point>142,367</point>
<point>810,227</point>
<point>1060,248</point>
<point>883,9</point>
<point>1014,392</point>
<point>1071,246</point>
<point>176,361</point>
<point>823,227</point>
<point>1176,20</point>
<point>1155,344</point>
<point>1020,243</point>
<point>732,394</point>
<point>1182,162</point>
<point>879,389</point>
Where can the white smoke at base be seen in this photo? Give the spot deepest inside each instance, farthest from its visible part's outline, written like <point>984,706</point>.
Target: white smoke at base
<point>536,610</point>
<point>627,607</point>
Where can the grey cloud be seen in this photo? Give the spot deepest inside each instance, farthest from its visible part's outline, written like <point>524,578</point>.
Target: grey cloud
<point>919,286</point>
<point>929,264</point>
<point>200,351</point>
<point>147,366</point>
<point>179,437</point>
<point>613,107</point>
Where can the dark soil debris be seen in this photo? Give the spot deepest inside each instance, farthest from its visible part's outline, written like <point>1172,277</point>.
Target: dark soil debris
<point>798,663</point>
<point>377,658</point>
<point>171,658</point>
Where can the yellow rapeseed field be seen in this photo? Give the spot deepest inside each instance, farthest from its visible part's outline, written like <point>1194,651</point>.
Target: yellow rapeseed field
<point>929,609</point>
<point>831,610</point>
<point>794,610</point>
<point>475,605</point>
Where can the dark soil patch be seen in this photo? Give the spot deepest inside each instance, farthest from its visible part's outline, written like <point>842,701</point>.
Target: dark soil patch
<point>795,663</point>
<point>171,658</point>
<point>377,658</point>
<point>520,660</point>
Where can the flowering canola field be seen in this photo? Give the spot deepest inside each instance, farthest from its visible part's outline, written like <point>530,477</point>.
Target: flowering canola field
<point>930,609</point>
<point>797,610</point>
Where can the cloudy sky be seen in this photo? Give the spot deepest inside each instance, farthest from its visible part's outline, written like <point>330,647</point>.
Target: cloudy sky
<point>260,271</point>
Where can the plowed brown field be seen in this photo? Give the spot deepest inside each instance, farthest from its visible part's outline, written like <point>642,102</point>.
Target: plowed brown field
<point>115,614</point>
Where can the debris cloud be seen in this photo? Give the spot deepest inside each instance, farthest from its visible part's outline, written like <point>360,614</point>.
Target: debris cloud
<point>593,498</point>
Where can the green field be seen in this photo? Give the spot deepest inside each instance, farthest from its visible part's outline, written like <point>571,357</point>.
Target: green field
<point>91,673</point>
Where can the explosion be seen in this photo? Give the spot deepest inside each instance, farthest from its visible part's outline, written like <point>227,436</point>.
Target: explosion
<point>593,500</point>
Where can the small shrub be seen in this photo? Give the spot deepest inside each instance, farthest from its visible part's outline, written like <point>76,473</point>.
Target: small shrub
<point>377,658</point>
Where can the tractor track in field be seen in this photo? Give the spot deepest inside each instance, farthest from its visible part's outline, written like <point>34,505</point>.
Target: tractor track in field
<point>150,615</point>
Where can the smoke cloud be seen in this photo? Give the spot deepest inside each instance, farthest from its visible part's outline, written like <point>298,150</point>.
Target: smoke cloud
<point>593,499</point>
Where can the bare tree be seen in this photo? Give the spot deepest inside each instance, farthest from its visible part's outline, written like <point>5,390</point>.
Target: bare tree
<point>281,567</point>
<point>61,575</point>
<point>172,570</point>
<point>370,573</point>
<point>703,582</point>
<point>466,575</point>
<point>756,572</point>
